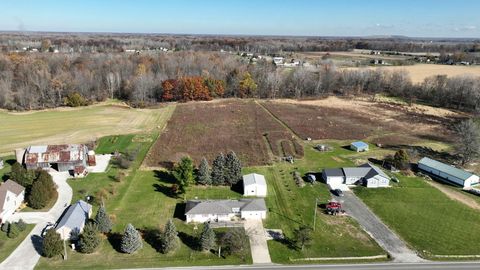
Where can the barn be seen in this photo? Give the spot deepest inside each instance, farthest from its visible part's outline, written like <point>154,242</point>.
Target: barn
<point>254,185</point>
<point>62,158</point>
<point>447,172</point>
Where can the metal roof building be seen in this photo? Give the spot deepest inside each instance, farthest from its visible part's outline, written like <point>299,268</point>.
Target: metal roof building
<point>254,185</point>
<point>359,146</point>
<point>74,219</point>
<point>447,172</point>
<point>62,157</point>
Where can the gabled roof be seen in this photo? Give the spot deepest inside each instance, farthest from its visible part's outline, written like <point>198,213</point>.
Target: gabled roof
<point>55,153</point>
<point>374,171</point>
<point>445,168</point>
<point>11,186</point>
<point>196,207</point>
<point>254,179</point>
<point>359,144</point>
<point>356,171</point>
<point>76,215</point>
<point>333,172</point>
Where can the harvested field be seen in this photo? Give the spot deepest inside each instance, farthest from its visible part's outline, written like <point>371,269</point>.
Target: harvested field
<point>204,129</point>
<point>343,119</point>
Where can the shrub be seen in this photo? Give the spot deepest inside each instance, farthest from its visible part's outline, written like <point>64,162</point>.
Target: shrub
<point>13,230</point>
<point>52,244</point>
<point>75,100</point>
<point>5,227</point>
<point>21,225</point>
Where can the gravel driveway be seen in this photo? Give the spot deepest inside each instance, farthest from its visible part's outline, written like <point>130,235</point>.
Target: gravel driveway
<point>387,239</point>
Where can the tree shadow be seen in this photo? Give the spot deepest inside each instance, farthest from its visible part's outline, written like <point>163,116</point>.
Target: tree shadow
<point>424,151</point>
<point>153,237</point>
<point>10,161</point>
<point>115,239</point>
<point>165,177</point>
<point>238,187</point>
<point>180,211</point>
<point>166,190</point>
<point>189,240</point>
<point>166,164</point>
<point>376,161</point>
<point>289,243</point>
<point>37,242</point>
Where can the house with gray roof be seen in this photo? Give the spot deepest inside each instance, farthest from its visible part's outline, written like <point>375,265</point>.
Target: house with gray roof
<point>367,174</point>
<point>447,172</point>
<point>224,210</point>
<point>72,222</point>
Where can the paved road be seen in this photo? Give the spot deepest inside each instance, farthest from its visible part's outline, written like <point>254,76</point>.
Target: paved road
<point>258,242</point>
<point>375,266</point>
<point>387,239</point>
<point>27,254</point>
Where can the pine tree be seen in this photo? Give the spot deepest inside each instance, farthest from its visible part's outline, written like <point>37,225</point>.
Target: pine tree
<point>89,239</point>
<point>233,169</point>
<point>183,172</point>
<point>52,244</point>
<point>131,240</point>
<point>303,237</point>
<point>207,238</point>
<point>218,170</point>
<point>170,237</point>
<point>42,191</point>
<point>204,176</point>
<point>104,224</point>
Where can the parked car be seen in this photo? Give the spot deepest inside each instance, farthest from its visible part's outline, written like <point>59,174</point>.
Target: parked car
<point>311,178</point>
<point>338,192</point>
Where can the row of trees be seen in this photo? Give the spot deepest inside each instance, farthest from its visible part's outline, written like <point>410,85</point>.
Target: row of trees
<point>39,185</point>
<point>225,170</point>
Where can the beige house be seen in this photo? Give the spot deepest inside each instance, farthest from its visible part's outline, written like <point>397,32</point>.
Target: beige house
<point>11,197</point>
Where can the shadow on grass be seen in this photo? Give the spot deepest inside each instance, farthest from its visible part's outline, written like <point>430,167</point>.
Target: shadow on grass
<point>166,190</point>
<point>115,239</point>
<point>180,211</point>
<point>10,161</point>
<point>189,240</point>
<point>427,151</point>
<point>165,177</point>
<point>289,243</point>
<point>153,237</point>
<point>238,187</point>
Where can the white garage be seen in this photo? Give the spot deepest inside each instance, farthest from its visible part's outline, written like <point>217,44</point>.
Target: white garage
<point>254,185</point>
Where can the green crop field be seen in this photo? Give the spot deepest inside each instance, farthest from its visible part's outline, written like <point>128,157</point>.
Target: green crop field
<point>426,218</point>
<point>76,125</point>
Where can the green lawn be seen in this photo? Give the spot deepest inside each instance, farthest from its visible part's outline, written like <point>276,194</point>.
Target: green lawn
<point>426,218</point>
<point>110,144</point>
<point>291,206</point>
<point>8,245</point>
<point>7,160</point>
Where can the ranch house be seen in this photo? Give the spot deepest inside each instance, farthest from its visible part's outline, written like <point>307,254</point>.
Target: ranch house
<point>225,210</point>
<point>448,173</point>
<point>367,174</point>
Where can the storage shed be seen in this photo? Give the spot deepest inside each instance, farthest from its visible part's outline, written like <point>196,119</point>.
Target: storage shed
<point>254,185</point>
<point>359,146</point>
<point>447,172</point>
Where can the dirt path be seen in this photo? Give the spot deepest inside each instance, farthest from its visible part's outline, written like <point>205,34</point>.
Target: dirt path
<point>455,195</point>
<point>279,121</point>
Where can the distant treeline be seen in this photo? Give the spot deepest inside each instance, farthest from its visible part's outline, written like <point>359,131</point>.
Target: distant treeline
<point>103,43</point>
<point>44,80</point>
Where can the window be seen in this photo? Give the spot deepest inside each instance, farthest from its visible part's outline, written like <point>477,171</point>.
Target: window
<point>236,210</point>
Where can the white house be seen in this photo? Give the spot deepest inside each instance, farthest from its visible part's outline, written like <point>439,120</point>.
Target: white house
<point>73,221</point>
<point>11,197</point>
<point>367,174</point>
<point>447,172</point>
<point>254,185</point>
<point>359,146</point>
<point>225,210</point>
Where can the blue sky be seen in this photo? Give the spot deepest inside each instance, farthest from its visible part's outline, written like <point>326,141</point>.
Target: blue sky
<point>423,18</point>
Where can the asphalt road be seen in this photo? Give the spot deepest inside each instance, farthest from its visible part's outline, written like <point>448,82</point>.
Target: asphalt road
<point>373,266</point>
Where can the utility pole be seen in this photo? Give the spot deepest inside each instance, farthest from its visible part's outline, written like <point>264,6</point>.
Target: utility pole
<point>64,246</point>
<point>315,214</point>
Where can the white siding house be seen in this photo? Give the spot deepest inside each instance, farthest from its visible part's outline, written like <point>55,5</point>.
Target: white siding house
<point>225,210</point>
<point>254,185</point>
<point>73,221</point>
<point>11,197</point>
<point>367,174</point>
<point>447,172</point>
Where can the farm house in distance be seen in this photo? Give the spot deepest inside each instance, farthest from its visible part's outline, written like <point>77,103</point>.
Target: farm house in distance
<point>447,172</point>
<point>65,157</point>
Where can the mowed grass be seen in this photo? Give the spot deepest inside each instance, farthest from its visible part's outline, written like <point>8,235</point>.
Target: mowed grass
<point>290,207</point>
<point>426,218</point>
<point>8,245</point>
<point>76,125</point>
<point>110,144</point>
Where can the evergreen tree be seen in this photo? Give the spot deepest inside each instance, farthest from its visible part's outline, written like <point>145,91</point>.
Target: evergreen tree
<point>170,237</point>
<point>104,224</point>
<point>42,191</point>
<point>233,169</point>
<point>21,175</point>
<point>303,237</point>
<point>183,172</point>
<point>13,230</point>
<point>401,159</point>
<point>234,241</point>
<point>204,175</point>
<point>218,170</point>
<point>131,240</point>
<point>89,239</point>
<point>207,238</point>
<point>21,225</point>
<point>52,244</point>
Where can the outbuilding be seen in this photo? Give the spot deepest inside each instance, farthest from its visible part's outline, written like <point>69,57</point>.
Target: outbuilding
<point>447,172</point>
<point>254,185</point>
<point>359,146</point>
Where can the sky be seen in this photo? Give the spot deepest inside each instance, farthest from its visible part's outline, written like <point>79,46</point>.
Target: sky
<point>415,18</point>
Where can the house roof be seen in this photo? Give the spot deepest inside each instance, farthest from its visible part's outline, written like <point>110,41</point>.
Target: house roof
<point>356,171</point>
<point>76,215</point>
<point>445,168</point>
<point>196,207</point>
<point>11,186</point>
<point>254,179</point>
<point>374,170</point>
<point>359,144</point>
<point>333,172</point>
<point>54,153</point>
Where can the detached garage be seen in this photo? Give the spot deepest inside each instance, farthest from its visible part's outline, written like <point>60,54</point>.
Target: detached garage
<point>447,172</point>
<point>254,185</point>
